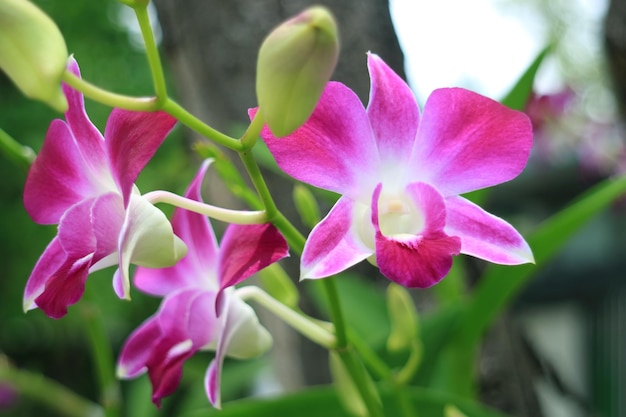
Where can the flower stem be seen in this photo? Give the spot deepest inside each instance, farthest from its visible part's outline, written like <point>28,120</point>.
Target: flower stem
<point>192,122</point>
<point>152,52</point>
<point>219,213</point>
<point>48,392</point>
<point>108,98</point>
<point>298,321</point>
<point>23,155</point>
<point>110,395</point>
<point>358,374</point>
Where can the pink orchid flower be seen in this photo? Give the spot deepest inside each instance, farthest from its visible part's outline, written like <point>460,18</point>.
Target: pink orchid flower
<point>84,182</point>
<point>188,319</point>
<point>400,175</point>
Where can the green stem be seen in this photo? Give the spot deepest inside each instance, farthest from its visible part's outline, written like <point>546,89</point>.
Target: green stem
<point>48,392</point>
<point>192,122</point>
<point>152,52</point>
<point>22,155</point>
<point>108,98</point>
<point>370,358</point>
<point>110,396</point>
<point>362,382</point>
<point>298,321</point>
<point>219,213</point>
<point>361,378</point>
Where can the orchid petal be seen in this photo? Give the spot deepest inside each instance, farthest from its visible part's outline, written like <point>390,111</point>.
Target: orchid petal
<point>64,287</point>
<point>165,366</point>
<point>392,111</point>
<point>335,149</point>
<point>137,349</point>
<point>132,138</point>
<point>419,260</point>
<point>484,235</point>
<point>242,337</point>
<point>89,140</point>
<point>467,142</point>
<point>50,261</point>
<point>147,239</point>
<point>246,249</point>
<point>334,244</point>
<point>107,218</point>
<point>199,266</point>
<point>56,180</point>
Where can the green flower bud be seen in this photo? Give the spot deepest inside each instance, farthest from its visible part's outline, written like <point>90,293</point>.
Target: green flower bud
<point>295,62</point>
<point>306,205</point>
<point>404,319</point>
<point>32,52</point>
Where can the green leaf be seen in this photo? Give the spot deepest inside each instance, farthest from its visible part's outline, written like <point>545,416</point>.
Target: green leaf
<point>371,323</point>
<point>323,401</point>
<point>519,94</point>
<point>500,283</point>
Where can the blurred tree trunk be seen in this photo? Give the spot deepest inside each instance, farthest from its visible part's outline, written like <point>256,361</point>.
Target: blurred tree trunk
<point>615,45</point>
<point>212,50</point>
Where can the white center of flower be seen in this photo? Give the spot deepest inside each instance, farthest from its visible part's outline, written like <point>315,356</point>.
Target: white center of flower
<point>398,217</point>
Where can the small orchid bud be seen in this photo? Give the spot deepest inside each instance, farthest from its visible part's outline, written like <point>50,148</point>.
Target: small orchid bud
<point>306,205</point>
<point>32,52</point>
<point>295,62</point>
<point>404,319</point>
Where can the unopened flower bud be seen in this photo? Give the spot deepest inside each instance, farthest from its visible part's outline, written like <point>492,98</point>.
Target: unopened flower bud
<point>295,62</point>
<point>32,52</point>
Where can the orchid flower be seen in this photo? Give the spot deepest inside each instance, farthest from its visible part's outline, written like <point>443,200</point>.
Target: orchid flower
<point>400,175</point>
<point>200,310</point>
<point>84,182</point>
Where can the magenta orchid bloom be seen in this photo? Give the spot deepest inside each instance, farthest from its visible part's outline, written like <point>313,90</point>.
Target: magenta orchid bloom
<point>84,182</point>
<point>400,175</point>
<point>187,321</point>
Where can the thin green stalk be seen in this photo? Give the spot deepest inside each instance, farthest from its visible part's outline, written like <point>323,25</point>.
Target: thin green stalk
<point>219,213</point>
<point>22,155</point>
<point>103,358</point>
<point>362,382</point>
<point>361,378</point>
<point>48,392</point>
<point>192,122</point>
<point>305,325</point>
<point>370,358</point>
<point>152,52</point>
<point>108,98</point>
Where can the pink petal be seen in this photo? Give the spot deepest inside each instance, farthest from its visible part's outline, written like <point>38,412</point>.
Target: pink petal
<point>165,366</point>
<point>467,142</point>
<point>419,260</point>
<point>246,249</point>
<point>88,139</point>
<point>334,244</point>
<point>64,287</point>
<point>146,239</point>
<point>132,138</point>
<point>107,218</point>
<point>392,111</point>
<point>335,149</point>
<point>241,336</point>
<point>484,235</point>
<point>57,179</point>
<point>137,349</point>
<point>199,267</point>
<point>50,261</point>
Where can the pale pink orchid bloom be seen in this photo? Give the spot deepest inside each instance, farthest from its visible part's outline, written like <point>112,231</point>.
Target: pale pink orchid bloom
<point>84,182</point>
<point>400,175</point>
<point>188,319</point>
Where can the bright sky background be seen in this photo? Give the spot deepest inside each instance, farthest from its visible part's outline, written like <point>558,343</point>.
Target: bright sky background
<point>464,43</point>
